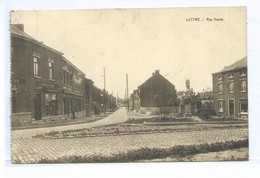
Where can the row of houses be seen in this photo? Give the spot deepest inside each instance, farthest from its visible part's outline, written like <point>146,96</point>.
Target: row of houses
<point>229,97</point>
<point>46,85</point>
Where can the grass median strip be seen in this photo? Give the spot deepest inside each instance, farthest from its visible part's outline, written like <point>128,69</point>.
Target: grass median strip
<point>128,129</point>
<point>151,153</point>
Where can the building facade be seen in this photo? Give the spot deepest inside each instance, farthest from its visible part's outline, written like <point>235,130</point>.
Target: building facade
<point>44,84</point>
<point>73,91</point>
<point>230,90</point>
<point>88,97</point>
<point>134,102</point>
<point>97,100</point>
<point>157,95</point>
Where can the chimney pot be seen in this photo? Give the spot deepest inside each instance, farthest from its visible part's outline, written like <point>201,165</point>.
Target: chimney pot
<point>156,71</point>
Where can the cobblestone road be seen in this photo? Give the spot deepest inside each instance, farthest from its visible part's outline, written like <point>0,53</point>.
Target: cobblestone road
<point>26,149</point>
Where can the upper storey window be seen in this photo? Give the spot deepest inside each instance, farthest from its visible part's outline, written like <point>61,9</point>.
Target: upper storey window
<point>243,86</point>
<point>51,70</point>
<point>36,59</point>
<point>242,73</point>
<point>220,88</point>
<point>231,87</point>
<point>220,78</point>
<point>35,66</point>
<point>231,75</point>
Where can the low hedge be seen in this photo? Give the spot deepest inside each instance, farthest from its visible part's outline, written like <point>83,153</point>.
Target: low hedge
<point>151,153</point>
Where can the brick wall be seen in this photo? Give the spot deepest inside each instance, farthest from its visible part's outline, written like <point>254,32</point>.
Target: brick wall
<point>237,95</point>
<point>26,86</point>
<point>157,92</point>
<point>18,119</point>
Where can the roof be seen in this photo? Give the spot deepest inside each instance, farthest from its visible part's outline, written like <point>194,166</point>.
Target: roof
<point>66,60</point>
<point>156,74</point>
<point>15,30</point>
<point>237,65</point>
<point>95,87</point>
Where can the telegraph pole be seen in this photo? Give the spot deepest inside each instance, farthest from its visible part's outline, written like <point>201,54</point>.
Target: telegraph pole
<point>105,107</point>
<point>127,97</point>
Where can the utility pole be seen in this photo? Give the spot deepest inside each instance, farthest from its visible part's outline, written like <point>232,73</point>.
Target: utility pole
<point>127,97</point>
<point>105,107</point>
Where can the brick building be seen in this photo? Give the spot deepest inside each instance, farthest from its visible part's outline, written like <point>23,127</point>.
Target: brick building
<point>230,91</point>
<point>89,84</point>
<point>97,100</point>
<point>157,95</point>
<point>44,83</point>
<point>134,102</point>
<point>111,103</point>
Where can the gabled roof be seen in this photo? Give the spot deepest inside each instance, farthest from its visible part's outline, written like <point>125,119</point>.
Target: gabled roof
<point>16,31</point>
<point>237,65</point>
<point>156,74</point>
<point>66,60</point>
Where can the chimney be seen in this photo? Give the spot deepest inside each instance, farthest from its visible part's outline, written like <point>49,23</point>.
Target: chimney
<point>19,26</point>
<point>156,71</point>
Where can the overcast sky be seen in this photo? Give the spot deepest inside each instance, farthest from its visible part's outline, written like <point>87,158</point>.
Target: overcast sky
<point>139,41</point>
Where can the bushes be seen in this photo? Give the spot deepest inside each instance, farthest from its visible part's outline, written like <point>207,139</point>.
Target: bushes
<point>163,118</point>
<point>152,153</point>
<point>206,113</point>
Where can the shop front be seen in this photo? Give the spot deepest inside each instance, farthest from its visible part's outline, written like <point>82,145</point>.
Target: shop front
<point>73,105</point>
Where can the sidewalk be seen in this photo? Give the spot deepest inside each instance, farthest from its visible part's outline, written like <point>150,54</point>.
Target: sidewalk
<point>41,123</point>
<point>116,117</point>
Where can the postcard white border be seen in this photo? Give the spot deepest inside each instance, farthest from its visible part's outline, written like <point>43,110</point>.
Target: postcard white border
<point>205,169</point>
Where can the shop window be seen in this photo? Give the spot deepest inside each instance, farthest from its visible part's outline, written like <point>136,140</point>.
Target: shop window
<point>243,86</point>
<point>51,104</point>
<point>66,105</point>
<point>231,87</point>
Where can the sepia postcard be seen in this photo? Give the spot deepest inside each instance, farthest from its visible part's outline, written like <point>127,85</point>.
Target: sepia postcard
<point>129,85</point>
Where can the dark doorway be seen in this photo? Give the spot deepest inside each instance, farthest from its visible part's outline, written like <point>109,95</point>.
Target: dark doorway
<point>37,107</point>
<point>231,108</point>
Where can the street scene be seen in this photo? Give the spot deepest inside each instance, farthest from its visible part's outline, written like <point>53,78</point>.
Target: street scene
<point>129,85</point>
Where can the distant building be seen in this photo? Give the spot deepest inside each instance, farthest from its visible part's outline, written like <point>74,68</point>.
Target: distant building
<point>122,102</point>
<point>205,95</point>
<point>230,91</point>
<point>88,97</point>
<point>135,101</point>
<point>45,85</point>
<point>97,100</point>
<point>111,103</point>
<point>157,95</point>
